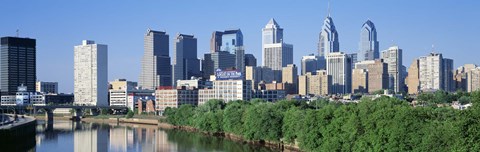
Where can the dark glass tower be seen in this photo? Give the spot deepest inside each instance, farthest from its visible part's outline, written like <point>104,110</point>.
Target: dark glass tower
<point>17,64</point>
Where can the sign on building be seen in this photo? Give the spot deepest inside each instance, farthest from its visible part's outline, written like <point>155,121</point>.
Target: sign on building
<point>228,75</point>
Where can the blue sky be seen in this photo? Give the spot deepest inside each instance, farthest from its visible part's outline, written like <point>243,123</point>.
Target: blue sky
<point>413,25</point>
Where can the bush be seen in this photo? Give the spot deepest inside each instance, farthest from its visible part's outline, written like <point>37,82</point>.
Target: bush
<point>130,114</point>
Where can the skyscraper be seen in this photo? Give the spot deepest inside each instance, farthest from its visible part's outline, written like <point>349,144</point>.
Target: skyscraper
<point>17,64</point>
<point>276,53</point>
<point>339,68</point>
<point>413,82</point>
<point>328,38</point>
<point>368,46</point>
<point>217,60</point>
<point>393,57</point>
<point>156,67</point>
<point>436,72</point>
<point>448,75</point>
<point>232,41</point>
<point>216,41</point>
<point>185,64</point>
<point>290,77</point>
<point>377,74</point>
<point>91,74</point>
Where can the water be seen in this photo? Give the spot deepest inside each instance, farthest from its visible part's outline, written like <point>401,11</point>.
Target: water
<point>67,136</point>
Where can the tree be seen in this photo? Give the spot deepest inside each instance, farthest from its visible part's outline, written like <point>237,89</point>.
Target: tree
<point>130,114</point>
<point>464,100</point>
<point>233,117</point>
<point>263,122</point>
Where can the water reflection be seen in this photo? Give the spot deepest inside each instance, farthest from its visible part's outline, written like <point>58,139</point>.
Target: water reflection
<point>96,137</point>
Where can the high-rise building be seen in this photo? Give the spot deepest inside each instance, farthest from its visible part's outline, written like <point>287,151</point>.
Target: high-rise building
<point>156,67</point>
<point>436,73</point>
<point>257,74</point>
<point>222,60</point>
<point>461,81</point>
<point>377,74</point>
<point>340,69</point>
<point>393,57</point>
<point>17,64</point>
<point>359,81</point>
<point>232,41</point>
<point>328,38</point>
<point>448,75</point>
<point>216,41</point>
<point>185,61</point>
<point>276,53</point>
<point>473,80</point>
<point>290,76</point>
<point>413,78</point>
<point>312,63</point>
<point>47,87</point>
<point>250,60</point>
<point>91,74</point>
<point>368,46</point>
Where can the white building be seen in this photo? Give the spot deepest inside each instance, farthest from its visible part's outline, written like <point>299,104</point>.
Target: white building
<point>90,74</point>
<point>23,97</point>
<point>393,58</point>
<point>339,68</point>
<point>435,73</point>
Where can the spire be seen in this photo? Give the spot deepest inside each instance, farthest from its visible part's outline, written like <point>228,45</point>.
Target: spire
<point>328,9</point>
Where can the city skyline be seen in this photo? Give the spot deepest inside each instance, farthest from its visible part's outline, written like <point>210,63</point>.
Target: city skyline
<point>429,28</point>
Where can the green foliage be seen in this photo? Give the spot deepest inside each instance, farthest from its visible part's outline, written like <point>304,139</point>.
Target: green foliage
<point>383,124</point>
<point>129,114</point>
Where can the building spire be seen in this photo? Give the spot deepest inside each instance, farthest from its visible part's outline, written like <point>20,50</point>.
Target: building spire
<point>328,9</point>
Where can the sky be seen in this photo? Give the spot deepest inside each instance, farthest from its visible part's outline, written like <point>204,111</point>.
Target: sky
<point>451,26</point>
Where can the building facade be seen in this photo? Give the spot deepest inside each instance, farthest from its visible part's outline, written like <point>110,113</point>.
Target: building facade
<point>47,87</point>
<point>312,63</point>
<point>250,60</point>
<point>394,59</point>
<point>185,62</point>
<point>377,74</point>
<point>276,53</point>
<point>156,68</point>
<point>413,78</point>
<point>436,73</point>
<point>217,60</point>
<point>18,64</point>
<point>328,38</point>
<point>340,69</point>
<point>314,84</point>
<point>174,98</point>
<point>91,74</point>
<point>290,76</point>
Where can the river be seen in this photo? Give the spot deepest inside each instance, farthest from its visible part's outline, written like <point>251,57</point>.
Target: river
<point>65,136</point>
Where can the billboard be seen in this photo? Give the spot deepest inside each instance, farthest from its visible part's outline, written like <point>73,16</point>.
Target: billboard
<point>228,75</point>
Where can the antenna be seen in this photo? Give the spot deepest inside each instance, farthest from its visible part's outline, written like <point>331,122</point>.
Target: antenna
<point>328,9</point>
<point>18,32</point>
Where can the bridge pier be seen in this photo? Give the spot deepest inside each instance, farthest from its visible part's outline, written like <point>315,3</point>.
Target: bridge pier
<point>77,115</point>
<point>49,116</point>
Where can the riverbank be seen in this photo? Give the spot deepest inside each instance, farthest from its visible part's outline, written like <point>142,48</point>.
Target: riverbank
<point>21,131</point>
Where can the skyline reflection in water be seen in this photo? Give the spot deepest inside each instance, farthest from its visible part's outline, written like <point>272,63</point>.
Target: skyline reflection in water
<point>97,137</point>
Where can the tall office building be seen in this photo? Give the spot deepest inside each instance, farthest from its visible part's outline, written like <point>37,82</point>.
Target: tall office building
<point>258,74</point>
<point>290,77</point>
<point>473,80</point>
<point>230,41</point>
<point>340,69</point>
<point>91,74</point>
<point>222,60</point>
<point>156,67</point>
<point>276,53</point>
<point>461,77</point>
<point>312,63</point>
<point>448,75</point>
<point>377,74</point>
<point>47,87</point>
<point>250,60</point>
<point>216,41</point>
<point>328,38</point>
<point>368,46</point>
<point>185,61</point>
<point>393,57</point>
<point>17,64</point>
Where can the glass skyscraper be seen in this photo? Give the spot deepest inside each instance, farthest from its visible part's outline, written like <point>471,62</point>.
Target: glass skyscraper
<point>328,39</point>
<point>368,46</point>
<point>185,61</point>
<point>276,53</point>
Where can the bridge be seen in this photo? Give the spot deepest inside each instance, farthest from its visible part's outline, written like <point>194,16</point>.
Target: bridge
<point>77,114</point>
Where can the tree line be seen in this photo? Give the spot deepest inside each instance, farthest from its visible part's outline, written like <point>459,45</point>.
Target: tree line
<point>383,124</point>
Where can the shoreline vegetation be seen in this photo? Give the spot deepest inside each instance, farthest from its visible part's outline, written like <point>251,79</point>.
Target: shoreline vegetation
<point>383,124</point>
